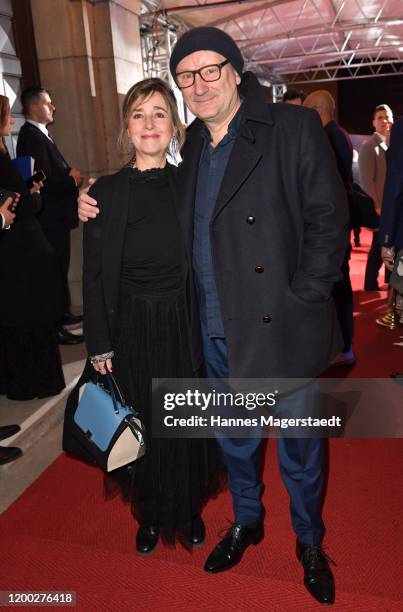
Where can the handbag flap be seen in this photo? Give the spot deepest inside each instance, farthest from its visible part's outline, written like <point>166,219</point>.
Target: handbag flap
<point>96,417</point>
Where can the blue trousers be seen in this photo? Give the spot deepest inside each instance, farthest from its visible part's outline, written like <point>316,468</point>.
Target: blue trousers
<point>301,462</point>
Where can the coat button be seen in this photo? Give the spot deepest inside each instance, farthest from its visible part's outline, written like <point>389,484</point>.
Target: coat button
<point>266,318</point>
<point>250,220</point>
<point>259,269</point>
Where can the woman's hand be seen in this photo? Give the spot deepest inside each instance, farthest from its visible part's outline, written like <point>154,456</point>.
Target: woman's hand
<point>36,187</point>
<point>102,365</point>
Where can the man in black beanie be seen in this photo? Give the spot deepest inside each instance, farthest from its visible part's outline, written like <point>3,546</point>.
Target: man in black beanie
<point>265,216</point>
<point>269,228</point>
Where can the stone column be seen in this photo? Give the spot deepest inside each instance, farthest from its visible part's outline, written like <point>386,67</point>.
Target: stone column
<point>89,54</point>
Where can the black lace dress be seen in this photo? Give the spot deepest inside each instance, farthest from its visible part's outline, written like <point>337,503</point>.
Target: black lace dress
<point>170,484</point>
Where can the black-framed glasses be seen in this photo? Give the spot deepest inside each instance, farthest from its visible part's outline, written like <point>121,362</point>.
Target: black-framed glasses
<point>209,73</point>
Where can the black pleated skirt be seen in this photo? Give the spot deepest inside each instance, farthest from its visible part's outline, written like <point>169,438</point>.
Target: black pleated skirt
<point>176,477</point>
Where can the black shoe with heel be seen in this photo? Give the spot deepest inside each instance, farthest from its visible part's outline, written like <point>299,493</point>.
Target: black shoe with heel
<point>193,533</point>
<point>147,539</point>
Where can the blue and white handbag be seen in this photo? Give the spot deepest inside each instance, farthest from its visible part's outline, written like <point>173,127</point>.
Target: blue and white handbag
<point>109,428</point>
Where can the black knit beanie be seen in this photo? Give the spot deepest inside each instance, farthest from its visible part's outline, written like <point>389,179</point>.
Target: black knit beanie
<point>206,39</point>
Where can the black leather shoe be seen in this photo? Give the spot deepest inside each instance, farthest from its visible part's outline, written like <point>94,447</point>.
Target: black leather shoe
<point>193,533</point>
<point>318,577</point>
<point>147,539</point>
<point>6,431</point>
<point>230,550</point>
<point>66,338</point>
<point>70,319</point>
<point>9,453</point>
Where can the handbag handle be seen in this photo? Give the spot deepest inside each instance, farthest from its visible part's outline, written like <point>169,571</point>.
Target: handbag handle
<point>112,385</point>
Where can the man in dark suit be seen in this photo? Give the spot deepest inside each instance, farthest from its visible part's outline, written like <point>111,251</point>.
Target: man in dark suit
<point>264,215</point>
<point>58,212</point>
<point>372,163</point>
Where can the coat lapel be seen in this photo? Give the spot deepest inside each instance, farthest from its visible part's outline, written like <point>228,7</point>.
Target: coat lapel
<point>243,160</point>
<point>380,142</point>
<point>247,152</point>
<point>49,143</point>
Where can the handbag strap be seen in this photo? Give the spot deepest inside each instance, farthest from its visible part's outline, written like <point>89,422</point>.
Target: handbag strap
<point>110,381</point>
<point>116,393</point>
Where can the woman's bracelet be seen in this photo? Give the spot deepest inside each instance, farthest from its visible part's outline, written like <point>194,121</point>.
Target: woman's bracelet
<point>103,357</point>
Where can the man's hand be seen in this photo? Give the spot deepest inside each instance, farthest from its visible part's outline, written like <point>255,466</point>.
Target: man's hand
<point>9,215</point>
<point>76,174</point>
<point>87,206</point>
<point>388,256</point>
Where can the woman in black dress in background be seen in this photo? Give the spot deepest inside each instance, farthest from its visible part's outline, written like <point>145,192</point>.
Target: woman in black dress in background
<point>30,364</point>
<point>136,315</point>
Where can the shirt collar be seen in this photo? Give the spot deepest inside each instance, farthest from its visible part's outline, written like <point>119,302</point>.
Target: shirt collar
<point>232,127</point>
<point>40,126</point>
<point>382,138</point>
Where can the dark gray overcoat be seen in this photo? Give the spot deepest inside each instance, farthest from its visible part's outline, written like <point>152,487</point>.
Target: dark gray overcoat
<point>279,234</point>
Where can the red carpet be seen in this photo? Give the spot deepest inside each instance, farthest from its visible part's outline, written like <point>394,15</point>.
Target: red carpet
<point>61,535</point>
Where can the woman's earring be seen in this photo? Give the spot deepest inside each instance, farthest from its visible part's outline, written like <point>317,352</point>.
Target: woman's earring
<point>173,149</point>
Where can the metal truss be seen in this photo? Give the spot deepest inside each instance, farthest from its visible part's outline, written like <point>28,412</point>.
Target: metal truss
<point>363,68</point>
<point>294,40</point>
<point>319,31</point>
<point>158,35</point>
<point>156,47</point>
<point>313,46</point>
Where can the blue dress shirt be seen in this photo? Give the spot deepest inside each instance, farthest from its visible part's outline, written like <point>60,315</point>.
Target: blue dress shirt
<point>212,165</point>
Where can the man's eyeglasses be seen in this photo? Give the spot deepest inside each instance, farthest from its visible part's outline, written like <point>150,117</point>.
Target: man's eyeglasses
<point>207,73</point>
